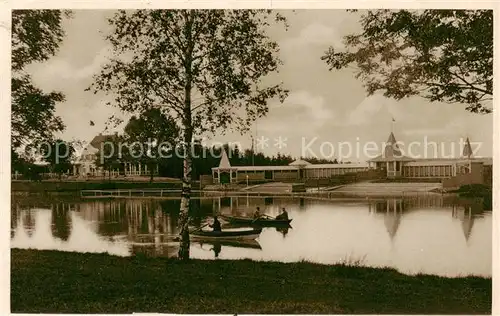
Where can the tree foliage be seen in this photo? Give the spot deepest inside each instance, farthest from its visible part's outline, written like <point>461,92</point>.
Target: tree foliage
<point>222,54</point>
<point>153,133</point>
<point>441,55</point>
<point>36,36</point>
<point>111,154</point>
<point>206,68</point>
<point>33,116</point>
<point>59,154</point>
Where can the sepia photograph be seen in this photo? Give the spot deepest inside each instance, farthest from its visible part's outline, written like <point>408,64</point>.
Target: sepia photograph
<point>251,161</point>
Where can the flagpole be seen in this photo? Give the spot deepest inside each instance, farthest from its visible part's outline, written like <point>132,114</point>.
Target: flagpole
<point>253,155</point>
<point>253,152</point>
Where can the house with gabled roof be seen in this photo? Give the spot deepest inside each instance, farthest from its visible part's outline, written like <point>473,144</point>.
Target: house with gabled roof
<point>85,164</point>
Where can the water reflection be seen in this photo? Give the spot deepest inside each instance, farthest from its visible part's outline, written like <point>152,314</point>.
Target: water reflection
<point>431,234</point>
<point>61,222</point>
<point>283,230</point>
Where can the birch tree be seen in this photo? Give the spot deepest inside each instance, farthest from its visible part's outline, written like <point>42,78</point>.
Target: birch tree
<point>209,69</point>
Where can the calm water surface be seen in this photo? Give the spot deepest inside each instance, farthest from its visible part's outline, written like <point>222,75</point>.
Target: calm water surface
<point>429,234</point>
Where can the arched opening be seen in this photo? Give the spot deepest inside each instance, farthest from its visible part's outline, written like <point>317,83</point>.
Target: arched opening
<point>224,177</point>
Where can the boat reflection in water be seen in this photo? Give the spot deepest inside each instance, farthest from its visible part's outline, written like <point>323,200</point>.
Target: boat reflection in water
<point>216,246</point>
<point>283,230</point>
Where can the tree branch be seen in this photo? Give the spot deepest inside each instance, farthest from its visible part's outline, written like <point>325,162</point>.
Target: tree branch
<point>470,85</point>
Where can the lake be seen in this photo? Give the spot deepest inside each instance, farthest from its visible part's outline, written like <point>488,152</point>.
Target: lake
<point>431,234</point>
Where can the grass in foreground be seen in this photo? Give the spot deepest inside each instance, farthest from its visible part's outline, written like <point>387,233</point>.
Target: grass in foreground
<point>60,282</point>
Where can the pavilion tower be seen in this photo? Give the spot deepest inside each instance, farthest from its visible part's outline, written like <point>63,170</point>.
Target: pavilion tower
<point>467,152</point>
<point>224,174</point>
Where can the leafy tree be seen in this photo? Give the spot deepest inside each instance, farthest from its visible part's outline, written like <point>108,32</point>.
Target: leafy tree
<point>156,132</point>
<point>18,162</point>
<point>59,154</point>
<point>110,155</point>
<point>36,36</point>
<point>441,55</point>
<point>205,67</point>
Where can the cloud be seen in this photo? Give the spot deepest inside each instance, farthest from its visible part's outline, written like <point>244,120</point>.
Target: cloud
<point>301,107</point>
<point>375,108</point>
<point>314,104</point>
<point>59,68</point>
<point>314,34</point>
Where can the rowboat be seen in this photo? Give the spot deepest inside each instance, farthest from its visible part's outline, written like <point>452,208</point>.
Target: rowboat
<point>248,234</point>
<point>259,222</point>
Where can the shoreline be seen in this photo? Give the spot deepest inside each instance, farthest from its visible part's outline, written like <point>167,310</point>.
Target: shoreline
<point>54,282</point>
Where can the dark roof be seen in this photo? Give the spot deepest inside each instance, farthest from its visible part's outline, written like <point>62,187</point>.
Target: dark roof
<point>391,151</point>
<point>467,149</point>
<point>99,139</point>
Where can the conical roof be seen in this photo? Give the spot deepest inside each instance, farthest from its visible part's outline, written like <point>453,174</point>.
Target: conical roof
<point>224,161</point>
<point>467,149</point>
<point>391,149</point>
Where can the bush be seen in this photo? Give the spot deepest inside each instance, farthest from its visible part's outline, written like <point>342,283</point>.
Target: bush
<point>476,190</point>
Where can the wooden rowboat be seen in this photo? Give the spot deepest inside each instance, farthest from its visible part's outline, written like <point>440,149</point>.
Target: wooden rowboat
<point>258,222</point>
<point>248,234</point>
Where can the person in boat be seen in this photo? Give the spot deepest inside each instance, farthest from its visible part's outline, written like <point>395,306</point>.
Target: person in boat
<point>283,215</point>
<point>257,213</point>
<point>216,225</point>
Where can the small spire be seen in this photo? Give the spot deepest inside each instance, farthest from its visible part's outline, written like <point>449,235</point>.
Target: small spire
<point>467,149</point>
<point>391,147</point>
<point>224,160</point>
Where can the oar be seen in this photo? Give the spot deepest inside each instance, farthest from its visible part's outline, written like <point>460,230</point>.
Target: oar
<point>200,228</point>
<point>194,230</point>
<point>267,216</point>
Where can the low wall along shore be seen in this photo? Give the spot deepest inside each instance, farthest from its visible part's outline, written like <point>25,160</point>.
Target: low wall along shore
<point>76,186</point>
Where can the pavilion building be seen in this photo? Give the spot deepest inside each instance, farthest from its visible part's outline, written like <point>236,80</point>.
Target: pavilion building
<point>296,171</point>
<point>396,165</point>
<point>391,164</point>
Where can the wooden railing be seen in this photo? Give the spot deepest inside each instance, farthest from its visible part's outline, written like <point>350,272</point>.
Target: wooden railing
<point>175,193</point>
<point>128,193</point>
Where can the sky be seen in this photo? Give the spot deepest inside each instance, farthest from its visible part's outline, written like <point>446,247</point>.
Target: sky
<point>327,113</point>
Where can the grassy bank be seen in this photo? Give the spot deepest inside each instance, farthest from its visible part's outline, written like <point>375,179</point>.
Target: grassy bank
<point>55,282</point>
